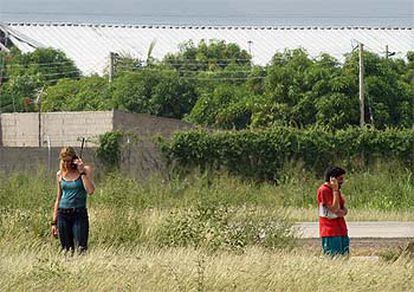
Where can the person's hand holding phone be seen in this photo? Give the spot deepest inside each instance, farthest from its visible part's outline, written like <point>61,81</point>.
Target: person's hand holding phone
<point>333,182</point>
<point>80,165</point>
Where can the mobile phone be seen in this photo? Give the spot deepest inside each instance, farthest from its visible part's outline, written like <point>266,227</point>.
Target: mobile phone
<point>73,164</point>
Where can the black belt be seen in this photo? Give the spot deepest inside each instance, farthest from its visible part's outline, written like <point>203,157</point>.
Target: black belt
<point>71,210</point>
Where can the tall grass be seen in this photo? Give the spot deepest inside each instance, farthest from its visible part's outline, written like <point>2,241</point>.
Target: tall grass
<point>186,269</point>
<point>127,212</point>
<point>382,187</point>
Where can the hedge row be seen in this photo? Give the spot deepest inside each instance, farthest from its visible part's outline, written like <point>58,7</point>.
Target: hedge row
<point>263,153</point>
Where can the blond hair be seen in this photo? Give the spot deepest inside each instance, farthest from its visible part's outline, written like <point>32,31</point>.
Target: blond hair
<point>66,152</point>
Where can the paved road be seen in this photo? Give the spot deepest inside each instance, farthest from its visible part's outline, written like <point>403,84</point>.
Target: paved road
<point>381,229</point>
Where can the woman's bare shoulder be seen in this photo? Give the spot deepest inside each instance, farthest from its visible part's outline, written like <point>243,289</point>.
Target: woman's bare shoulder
<point>59,175</point>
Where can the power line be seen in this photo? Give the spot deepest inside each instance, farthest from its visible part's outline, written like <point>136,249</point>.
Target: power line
<point>121,63</point>
<point>203,62</point>
<point>45,64</point>
<point>144,68</point>
<point>213,78</point>
<point>59,73</point>
<point>52,74</point>
<point>184,78</point>
<point>183,71</point>
<point>185,62</point>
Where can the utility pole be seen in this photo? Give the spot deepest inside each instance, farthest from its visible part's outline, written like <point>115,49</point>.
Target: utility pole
<point>386,52</point>
<point>1,78</point>
<point>39,105</point>
<point>1,89</point>
<point>40,123</point>
<point>1,68</point>
<point>250,47</point>
<point>112,62</point>
<point>49,153</point>
<point>361,85</point>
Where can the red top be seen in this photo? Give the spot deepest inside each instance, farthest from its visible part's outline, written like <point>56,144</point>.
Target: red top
<point>330,227</point>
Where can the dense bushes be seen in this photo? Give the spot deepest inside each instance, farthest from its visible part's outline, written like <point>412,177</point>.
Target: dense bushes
<point>261,154</point>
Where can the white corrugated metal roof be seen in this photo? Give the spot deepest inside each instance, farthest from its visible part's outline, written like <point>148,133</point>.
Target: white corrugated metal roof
<point>89,45</point>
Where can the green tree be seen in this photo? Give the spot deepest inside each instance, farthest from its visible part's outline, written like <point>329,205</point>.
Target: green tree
<point>87,94</point>
<point>389,95</point>
<point>228,106</point>
<point>293,86</point>
<point>160,92</point>
<point>26,74</point>
<point>212,55</point>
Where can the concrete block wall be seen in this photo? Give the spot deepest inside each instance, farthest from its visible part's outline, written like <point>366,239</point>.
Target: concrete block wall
<point>67,128</point>
<point>20,129</point>
<point>141,160</point>
<point>19,140</point>
<point>20,159</point>
<point>62,128</point>
<point>145,125</point>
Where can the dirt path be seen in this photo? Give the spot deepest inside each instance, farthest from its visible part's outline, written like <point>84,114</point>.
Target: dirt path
<point>378,229</point>
<point>362,246</point>
<point>367,238</point>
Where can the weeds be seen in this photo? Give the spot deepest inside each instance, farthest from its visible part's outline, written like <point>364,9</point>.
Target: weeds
<point>217,227</point>
<point>405,251</point>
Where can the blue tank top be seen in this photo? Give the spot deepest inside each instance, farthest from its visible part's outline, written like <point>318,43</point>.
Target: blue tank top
<point>73,194</point>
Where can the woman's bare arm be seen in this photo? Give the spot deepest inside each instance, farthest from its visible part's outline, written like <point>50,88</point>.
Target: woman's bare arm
<point>58,195</point>
<point>87,180</point>
<point>56,205</point>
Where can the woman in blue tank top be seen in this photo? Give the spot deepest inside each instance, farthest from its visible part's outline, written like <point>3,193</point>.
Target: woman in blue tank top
<point>70,216</point>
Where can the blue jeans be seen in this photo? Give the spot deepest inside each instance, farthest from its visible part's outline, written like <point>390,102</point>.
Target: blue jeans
<point>73,225</point>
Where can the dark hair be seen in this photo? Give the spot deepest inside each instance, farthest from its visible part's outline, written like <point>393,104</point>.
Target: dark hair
<point>333,171</point>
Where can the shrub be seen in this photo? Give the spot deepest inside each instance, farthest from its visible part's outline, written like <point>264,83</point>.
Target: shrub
<point>109,151</point>
<point>217,227</point>
<point>262,154</point>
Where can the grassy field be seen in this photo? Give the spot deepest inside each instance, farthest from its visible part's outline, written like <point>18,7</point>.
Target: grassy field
<point>198,233</point>
<point>187,269</point>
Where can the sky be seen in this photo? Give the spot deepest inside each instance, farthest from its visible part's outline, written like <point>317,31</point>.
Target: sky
<point>199,11</point>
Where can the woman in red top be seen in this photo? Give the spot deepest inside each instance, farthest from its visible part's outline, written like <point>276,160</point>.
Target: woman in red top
<point>331,203</point>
